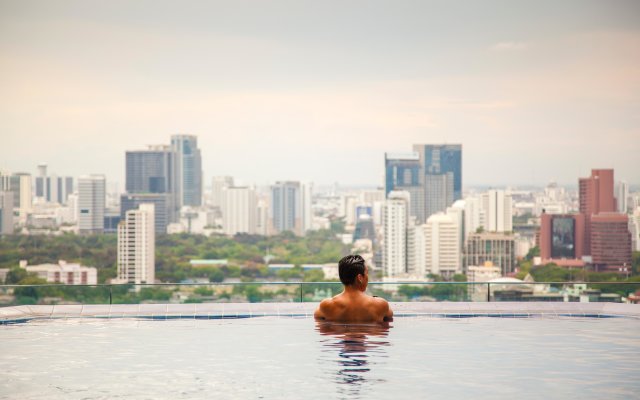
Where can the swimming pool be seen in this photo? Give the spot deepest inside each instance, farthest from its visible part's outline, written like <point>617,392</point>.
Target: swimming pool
<point>288,355</point>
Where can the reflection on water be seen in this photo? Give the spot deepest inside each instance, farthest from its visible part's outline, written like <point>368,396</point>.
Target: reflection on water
<point>359,348</point>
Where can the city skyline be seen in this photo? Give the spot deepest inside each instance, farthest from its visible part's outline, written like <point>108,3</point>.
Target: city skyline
<point>534,92</point>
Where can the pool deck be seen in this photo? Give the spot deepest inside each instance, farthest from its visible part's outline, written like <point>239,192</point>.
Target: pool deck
<point>305,310</point>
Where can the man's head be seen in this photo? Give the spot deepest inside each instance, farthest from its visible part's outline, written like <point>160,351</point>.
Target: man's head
<point>353,271</point>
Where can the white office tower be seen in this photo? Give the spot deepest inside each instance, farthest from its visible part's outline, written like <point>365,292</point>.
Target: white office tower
<point>217,185</point>
<point>395,217</point>
<point>239,210</point>
<point>137,246</point>
<point>91,203</point>
<point>6,213</point>
<point>622,196</point>
<point>72,203</point>
<point>498,212</point>
<point>286,208</point>
<point>443,243</point>
<point>634,228</point>
<point>306,191</point>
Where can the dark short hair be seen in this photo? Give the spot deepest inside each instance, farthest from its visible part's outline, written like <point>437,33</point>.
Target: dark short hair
<point>349,267</point>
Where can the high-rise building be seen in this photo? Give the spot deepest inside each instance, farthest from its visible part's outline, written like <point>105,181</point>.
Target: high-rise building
<point>596,196</point>
<point>239,210</point>
<point>152,174</point>
<point>443,161</point>
<point>610,241</point>
<point>53,188</point>
<point>150,170</point>
<point>498,212</point>
<point>188,169</point>
<point>162,218</point>
<point>403,172</point>
<point>395,222</point>
<point>286,207</point>
<point>218,184</point>
<point>497,248</point>
<point>136,246</point>
<point>41,181</point>
<point>6,213</point>
<point>443,242</point>
<point>91,203</point>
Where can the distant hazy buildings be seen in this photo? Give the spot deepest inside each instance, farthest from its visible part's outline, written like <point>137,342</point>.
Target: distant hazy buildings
<point>598,231</point>
<point>53,189</point>
<point>91,203</point>
<point>136,246</point>
<point>218,184</point>
<point>622,197</point>
<point>19,184</point>
<point>188,169</point>
<point>432,174</point>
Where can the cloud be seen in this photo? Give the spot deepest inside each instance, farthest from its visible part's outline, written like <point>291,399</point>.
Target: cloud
<point>509,46</point>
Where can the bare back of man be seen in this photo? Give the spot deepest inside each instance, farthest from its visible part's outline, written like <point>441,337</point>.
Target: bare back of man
<point>354,307</point>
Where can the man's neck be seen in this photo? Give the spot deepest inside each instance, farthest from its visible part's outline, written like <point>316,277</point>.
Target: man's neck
<point>352,290</point>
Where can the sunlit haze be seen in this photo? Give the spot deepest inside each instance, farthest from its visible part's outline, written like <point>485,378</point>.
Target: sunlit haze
<point>534,91</point>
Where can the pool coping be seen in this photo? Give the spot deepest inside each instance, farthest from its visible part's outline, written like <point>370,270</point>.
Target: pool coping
<point>17,314</point>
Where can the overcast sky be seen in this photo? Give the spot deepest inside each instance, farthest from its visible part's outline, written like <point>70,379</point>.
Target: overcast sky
<point>320,90</point>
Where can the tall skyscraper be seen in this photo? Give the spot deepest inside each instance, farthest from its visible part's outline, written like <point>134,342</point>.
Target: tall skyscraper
<point>442,159</point>
<point>136,246</point>
<point>403,172</point>
<point>286,207</point>
<point>239,210</point>
<point>41,181</point>
<point>91,203</point>
<point>306,194</point>
<point>6,213</point>
<point>151,177</point>
<point>596,196</point>
<point>188,169</point>
<point>395,221</point>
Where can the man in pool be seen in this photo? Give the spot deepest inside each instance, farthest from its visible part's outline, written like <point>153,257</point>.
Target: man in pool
<point>353,305</point>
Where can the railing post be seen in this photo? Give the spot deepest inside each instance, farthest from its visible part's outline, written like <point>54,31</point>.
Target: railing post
<point>488,292</point>
<point>301,291</point>
<point>110,295</point>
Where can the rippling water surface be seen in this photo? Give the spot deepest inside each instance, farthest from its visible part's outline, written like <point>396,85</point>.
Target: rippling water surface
<point>276,358</point>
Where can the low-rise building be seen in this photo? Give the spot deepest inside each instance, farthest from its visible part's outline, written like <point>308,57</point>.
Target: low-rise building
<point>63,272</point>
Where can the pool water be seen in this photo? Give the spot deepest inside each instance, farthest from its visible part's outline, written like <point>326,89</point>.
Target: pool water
<point>294,358</point>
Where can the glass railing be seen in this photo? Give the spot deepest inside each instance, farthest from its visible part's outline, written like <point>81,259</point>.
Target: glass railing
<point>282,292</point>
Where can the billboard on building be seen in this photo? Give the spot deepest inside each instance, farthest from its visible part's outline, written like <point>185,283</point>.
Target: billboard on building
<point>563,237</point>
